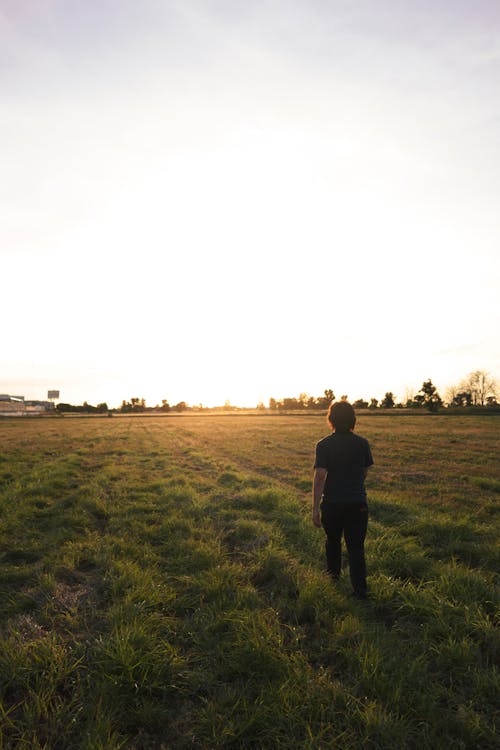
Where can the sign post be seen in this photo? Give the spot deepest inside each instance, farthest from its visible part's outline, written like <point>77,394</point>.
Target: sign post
<point>52,396</point>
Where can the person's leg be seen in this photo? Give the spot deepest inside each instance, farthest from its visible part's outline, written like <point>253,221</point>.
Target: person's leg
<point>355,525</point>
<point>331,519</point>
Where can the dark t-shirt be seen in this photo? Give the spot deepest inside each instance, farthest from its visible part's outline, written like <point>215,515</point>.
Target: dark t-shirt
<point>345,456</point>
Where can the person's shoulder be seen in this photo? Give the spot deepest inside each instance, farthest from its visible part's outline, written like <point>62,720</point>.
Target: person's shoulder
<point>360,439</point>
<point>324,442</point>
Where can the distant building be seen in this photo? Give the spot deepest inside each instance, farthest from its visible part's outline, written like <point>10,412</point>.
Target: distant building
<point>12,406</point>
<point>16,406</point>
<point>39,406</point>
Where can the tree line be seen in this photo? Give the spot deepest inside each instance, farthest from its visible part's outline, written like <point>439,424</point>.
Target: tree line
<point>134,406</point>
<point>478,389</point>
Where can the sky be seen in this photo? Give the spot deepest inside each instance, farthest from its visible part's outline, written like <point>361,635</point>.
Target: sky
<point>216,200</point>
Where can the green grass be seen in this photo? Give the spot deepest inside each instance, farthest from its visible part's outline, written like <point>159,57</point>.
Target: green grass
<point>162,586</point>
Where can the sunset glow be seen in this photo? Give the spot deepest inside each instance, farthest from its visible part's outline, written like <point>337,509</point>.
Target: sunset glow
<point>210,201</point>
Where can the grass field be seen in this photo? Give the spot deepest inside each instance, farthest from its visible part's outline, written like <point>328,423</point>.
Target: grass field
<point>162,586</point>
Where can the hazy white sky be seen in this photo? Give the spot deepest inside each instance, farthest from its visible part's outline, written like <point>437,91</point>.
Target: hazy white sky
<point>214,199</point>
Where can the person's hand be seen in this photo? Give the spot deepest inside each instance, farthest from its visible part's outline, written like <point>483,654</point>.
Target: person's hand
<point>316,518</point>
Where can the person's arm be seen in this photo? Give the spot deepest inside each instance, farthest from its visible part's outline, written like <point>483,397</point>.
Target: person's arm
<point>368,460</point>
<point>318,487</point>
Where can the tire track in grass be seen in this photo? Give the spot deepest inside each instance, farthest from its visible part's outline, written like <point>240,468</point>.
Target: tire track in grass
<point>235,633</point>
<point>244,488</point>
<point>215,446</point>
<point>273,575</point>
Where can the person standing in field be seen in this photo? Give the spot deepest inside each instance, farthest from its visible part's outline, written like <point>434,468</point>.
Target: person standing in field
<point>339,495</point>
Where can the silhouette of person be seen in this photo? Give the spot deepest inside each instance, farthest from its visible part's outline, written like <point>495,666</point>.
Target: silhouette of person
<point>339,495</point>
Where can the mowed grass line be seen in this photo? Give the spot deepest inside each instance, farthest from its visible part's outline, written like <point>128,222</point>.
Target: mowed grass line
<point>163,587</point>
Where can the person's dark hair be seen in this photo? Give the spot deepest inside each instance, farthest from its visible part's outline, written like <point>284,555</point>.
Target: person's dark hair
<point>341,416</point>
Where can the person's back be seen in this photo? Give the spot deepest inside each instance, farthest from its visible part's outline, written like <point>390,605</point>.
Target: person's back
<point>345,457</point>
<point>339,495</point>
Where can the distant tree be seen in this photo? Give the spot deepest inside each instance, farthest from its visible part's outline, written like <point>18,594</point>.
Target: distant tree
<point>138,405</point>
<point>102,408</point>
<point>303,400</point>
<point>462,398</point>
<point>261,406</point>
<point>388,401</point>
<point>409,397</point>
<point>181,406</point>
<point>289,404</point>
<point>360,404</point>
<point>273,404</point>
<point>419,400</point>
<point>326,399</point>
<point>126,407</point>
<point>68,408</point>
<point>450,394</point>
<point>165,406</point>
<point>373,403</point>
<point>480,385</point>
<point>344,398</point>
<point>312,403</point>
<point>429,397</point>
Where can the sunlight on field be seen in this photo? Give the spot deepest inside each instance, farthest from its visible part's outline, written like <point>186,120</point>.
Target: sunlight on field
<point>162,585</point>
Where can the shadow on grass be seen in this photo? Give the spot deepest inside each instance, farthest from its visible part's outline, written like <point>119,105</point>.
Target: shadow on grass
<point>387,513</point>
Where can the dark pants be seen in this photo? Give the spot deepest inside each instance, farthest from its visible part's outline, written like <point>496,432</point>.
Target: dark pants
<point>351,520</point>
